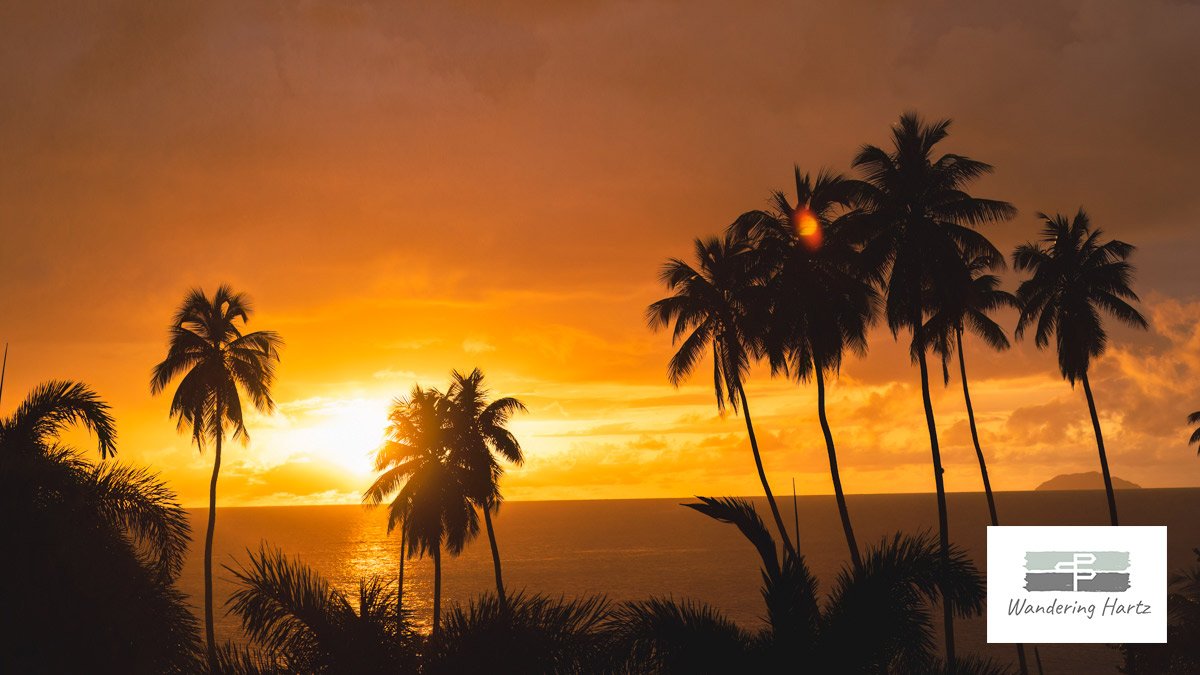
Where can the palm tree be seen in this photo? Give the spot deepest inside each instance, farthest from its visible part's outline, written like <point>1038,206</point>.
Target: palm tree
<point>302,624</point>
<point>88,545</point>
<point>480,432</point>
<point>1194,418</point>
<point>526,634</point>
<point>917,225</point>
<point>432,503</point>
<point>216,362</point>
<point>876,619</point>
<point>1075,276</point>
<point>820,304</point>
<point>968,311</point>
<point>944,330</point>
<point>710,311</point>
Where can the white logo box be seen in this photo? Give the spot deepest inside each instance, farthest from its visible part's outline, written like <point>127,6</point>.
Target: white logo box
<point>1089,584</point>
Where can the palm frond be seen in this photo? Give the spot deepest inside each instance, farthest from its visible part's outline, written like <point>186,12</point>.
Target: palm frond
<point>741,514</point>
<point>52,407</point>
<point>145,507</point>
<point>284,605</point>
<point>525,634</point>
<point>665,636</point>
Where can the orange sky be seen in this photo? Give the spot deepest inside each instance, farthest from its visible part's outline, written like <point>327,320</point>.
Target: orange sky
<point>406,191</point>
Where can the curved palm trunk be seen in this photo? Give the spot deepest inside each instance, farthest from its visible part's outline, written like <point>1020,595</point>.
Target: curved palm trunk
<point>209,633</point>
<point>437,586</point>
<point>833,471</point>
<point>987,484</point>
<point>762,474</point>
<point>1108,486</point>
<point>487,519</point>
<point>943,519</point>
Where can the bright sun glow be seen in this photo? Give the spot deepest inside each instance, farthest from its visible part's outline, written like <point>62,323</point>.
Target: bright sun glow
<point>343,432</point>
<point>808,228</point>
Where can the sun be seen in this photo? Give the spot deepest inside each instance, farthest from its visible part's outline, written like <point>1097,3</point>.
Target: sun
<point>344,432</point>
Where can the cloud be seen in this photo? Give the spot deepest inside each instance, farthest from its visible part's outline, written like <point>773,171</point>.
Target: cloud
<point>399,185</point>
<point>477,346</point>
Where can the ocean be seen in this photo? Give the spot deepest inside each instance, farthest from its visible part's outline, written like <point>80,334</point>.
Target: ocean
<point>632,549</point>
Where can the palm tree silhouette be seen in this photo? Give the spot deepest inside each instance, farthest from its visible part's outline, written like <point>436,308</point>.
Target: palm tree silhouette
<point>1075,276</point>
<point>216,361</point>
<point>917,226</point>
<point>818,302</point>
<point>1194,418</point>
<point>302,623</point>
<point>528,634</point>
<point>480,433</point>
<point>968,311</point>
<point>876,619</point>
<point>709,310</point>
<point>88,544</point>
<point>432,503</point>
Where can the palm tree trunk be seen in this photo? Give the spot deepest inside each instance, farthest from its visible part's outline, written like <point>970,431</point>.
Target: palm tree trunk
<point>437,586</point>
<point>400,582</point>
<point>833,471</point>
<point>1108,486</point>
<point>487,519</point>
<point>987,484</point>
<point>762,474</point>
<point>943,519</point>
<point>209,633</point>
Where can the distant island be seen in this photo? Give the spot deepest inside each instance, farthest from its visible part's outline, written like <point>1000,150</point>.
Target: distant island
<point>1090,480</point>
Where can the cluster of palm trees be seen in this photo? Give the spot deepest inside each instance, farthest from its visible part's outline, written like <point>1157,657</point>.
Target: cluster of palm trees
<point>800,285</point>
<point>440,466</point>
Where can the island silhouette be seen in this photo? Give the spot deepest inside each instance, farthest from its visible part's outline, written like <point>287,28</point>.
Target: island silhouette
<point>1088,480</point>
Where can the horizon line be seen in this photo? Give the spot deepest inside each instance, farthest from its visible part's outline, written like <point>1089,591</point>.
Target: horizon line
<point>752,497</point>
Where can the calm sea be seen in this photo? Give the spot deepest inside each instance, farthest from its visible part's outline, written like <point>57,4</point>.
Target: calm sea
<point>631,549</point>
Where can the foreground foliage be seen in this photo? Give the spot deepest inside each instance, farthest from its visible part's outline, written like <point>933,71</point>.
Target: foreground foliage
<point>1181,653</point>
<point>875,619</point>
<point>91,549</point>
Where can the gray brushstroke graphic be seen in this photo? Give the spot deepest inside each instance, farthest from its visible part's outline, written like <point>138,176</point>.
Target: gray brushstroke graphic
<point>1082,571</point>
<point>1103,582</point>
<point>1104,561</point>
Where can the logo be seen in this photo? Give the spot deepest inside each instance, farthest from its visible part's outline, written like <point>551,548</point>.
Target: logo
<point>1075,571</point>
<point>1076,584</point>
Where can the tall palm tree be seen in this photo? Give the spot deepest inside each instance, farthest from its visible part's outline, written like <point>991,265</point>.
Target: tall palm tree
<point>216,361</point>
<point>1075,277</point>
<point>968,311</point>
<point>917,225</point>
<point>1194,418</point>
<point>480,432</point>
<point>416,431</point>
<point>432,503</point>
<point>89,544</point>
<point>709,308</point>
<point>819,302</point>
